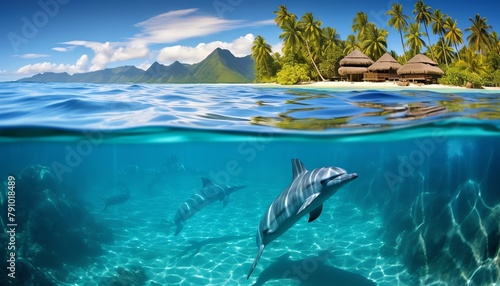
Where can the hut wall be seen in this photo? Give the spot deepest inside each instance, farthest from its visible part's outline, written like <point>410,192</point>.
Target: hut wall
<point>423,78</point>
<point>380,76</point>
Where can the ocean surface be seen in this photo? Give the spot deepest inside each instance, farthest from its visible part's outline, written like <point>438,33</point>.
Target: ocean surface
<point>96,179</point>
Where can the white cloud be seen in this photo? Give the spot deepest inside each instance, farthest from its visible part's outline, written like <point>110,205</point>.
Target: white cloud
<point>166,28</point>
<point>144,66</point>
<point>178,25</point>
<point>31,56</point>
<point>64,49</point>
<point>81,65</point>
<point>189,55</point>
<point>277,48</point>
<point>105,53</point>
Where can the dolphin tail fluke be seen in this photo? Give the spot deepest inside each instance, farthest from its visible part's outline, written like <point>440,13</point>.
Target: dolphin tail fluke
<point>261,249</point>
<point>169,225</point>
<point>179,228</point>
<point>225,200</point>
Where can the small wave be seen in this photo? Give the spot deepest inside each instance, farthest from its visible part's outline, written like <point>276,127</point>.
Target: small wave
<point>233,107</point>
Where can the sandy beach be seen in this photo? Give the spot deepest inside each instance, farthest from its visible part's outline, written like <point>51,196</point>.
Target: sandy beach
<point>344,85</point>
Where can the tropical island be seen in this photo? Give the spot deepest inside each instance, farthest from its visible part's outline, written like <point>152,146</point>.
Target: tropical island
<point>313,52</point>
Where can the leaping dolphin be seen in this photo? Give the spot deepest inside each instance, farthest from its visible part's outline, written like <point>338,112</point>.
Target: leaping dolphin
<point>305,195</point>
<point>209,193</point>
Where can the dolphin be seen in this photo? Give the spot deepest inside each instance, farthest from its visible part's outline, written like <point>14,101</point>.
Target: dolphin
<point>209,193</point>
<point>117,199</point>
<point>305,195</point>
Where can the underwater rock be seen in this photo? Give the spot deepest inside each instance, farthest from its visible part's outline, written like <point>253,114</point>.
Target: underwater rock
<point>451,231</point>
<point>56,229</point>
<point>136,276</point>
<point>31,182</point>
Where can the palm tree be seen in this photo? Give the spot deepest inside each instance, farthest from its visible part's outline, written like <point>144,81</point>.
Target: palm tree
<point>442,50</point>
<point>394,54</point>
<point>398,21</point>
<point>282,15</point>
<point>474,62</point>
<point>359,24</point>
<point>291,36</point>
<point>423,16</point>
<point>375,43</point>
<point>438,19</point>
<point>311,36</point>
<point>413,39</point>
<point>453,34</point>
<point>261,53</point>
<point>479,37</point>
<point>351,44</point>
<point>330,37</point>
<point>495,41</point>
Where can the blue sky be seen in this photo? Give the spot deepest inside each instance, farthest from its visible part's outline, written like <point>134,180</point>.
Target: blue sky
<point>85,35</point>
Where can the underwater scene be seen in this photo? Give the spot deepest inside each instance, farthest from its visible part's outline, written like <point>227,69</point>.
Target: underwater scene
<point>119,184</point>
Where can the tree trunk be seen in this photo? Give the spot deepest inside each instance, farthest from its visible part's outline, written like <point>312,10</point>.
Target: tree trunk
<point>312,60</point>
<point>444,53</point>
<point>403,44</point>
<point>456,49</point>
<point>430,44</point>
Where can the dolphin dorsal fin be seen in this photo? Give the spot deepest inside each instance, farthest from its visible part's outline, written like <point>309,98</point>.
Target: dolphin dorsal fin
<point>206,182</point>
<point>297,168</point>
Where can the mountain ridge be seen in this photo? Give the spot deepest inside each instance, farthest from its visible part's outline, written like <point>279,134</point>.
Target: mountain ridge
<point>220,66</point>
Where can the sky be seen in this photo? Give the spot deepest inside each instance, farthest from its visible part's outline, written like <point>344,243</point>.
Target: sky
<point>85,35</point>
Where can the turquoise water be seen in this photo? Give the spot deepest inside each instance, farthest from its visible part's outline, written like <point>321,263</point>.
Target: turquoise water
<point>425,209</point>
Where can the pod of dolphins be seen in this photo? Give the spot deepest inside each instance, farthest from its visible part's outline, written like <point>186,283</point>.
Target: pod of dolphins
<point>305,195</point>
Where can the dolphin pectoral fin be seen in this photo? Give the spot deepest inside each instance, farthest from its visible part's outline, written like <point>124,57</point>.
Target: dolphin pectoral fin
<point>315,213</point>
<point>261,249</point>
<point>225,200</point>
<point>308,201</point>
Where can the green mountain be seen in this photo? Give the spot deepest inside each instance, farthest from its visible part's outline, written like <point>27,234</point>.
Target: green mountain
<point>221,66</point>
<point>119,74</point>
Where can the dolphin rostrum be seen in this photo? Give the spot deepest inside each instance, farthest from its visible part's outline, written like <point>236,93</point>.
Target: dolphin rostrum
<point>117,199</point>
<point>209,193</point>
<point>305,195</point>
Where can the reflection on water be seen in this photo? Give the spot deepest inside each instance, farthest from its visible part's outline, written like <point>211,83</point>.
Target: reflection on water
<point>320,111</point>
<point>250,108</point>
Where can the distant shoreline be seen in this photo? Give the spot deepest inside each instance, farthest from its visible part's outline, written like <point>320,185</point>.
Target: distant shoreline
<point>344,85</point>
<point>334,85</point>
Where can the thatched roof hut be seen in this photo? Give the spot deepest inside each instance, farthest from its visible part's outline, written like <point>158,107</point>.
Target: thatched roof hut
<point>420,68</point>
<point>355,63</point>
<point>386,63</point>
<point>383,69</point>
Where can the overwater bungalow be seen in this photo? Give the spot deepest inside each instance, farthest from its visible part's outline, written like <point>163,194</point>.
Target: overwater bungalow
<point>354,65</point>
<point>420,69</point>
<point>383,69</point>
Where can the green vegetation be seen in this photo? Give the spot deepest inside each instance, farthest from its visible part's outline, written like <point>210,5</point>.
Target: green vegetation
<point>313,52</point>
<point>292,74</point>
